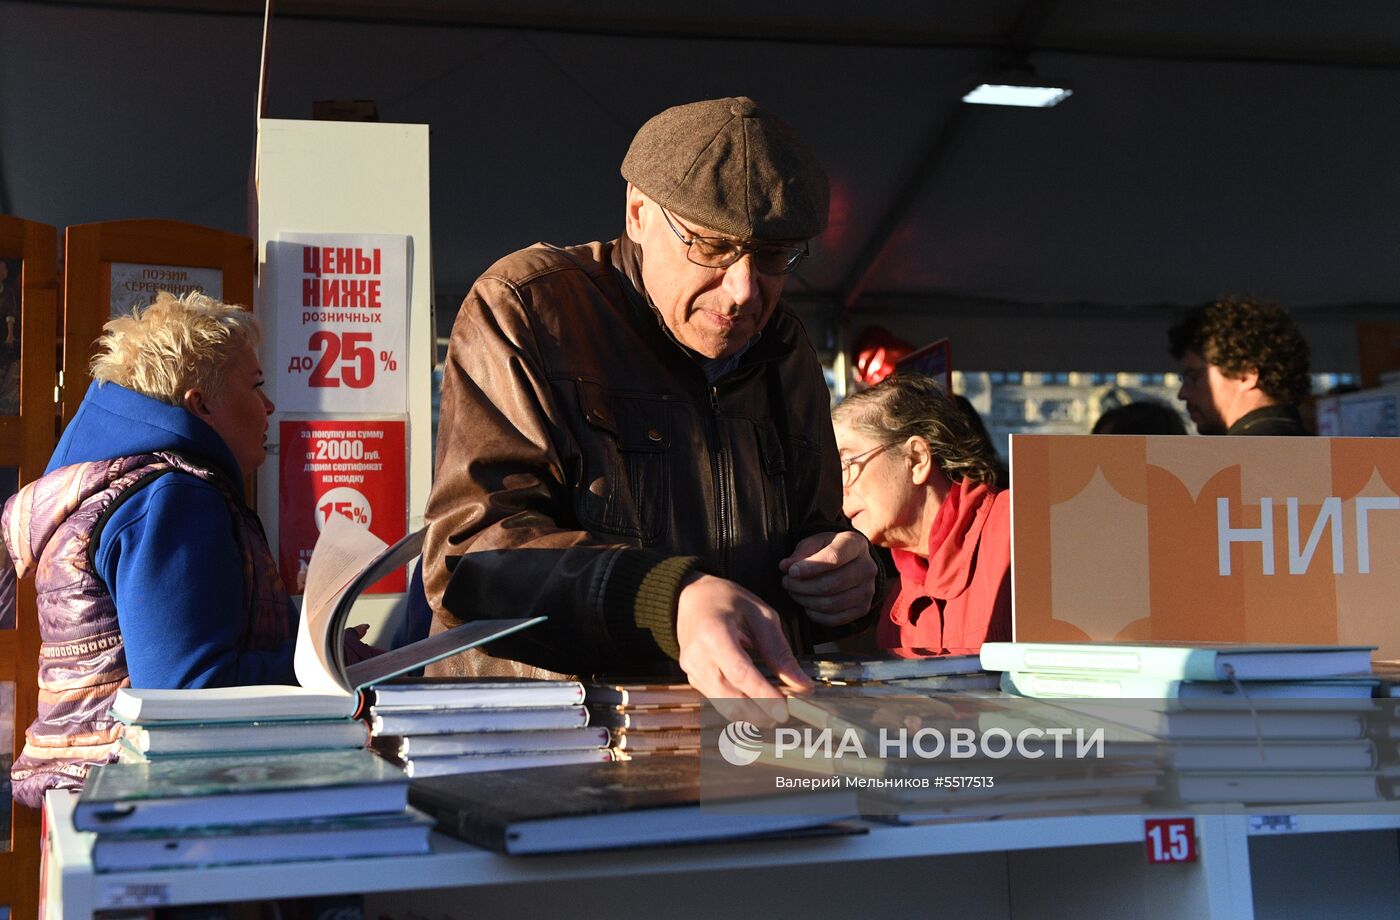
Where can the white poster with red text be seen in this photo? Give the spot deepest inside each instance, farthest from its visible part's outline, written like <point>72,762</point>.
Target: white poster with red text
<point>356,468</point>
<point>342,322</point>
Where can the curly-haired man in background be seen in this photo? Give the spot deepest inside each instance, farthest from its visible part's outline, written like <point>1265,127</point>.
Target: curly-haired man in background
<point>1244,368</point>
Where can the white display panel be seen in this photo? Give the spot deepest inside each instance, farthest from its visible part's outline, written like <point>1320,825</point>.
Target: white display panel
<point>327,177</point>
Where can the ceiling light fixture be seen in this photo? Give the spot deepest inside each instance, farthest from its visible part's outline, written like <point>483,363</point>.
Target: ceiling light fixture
<point>1036,97</point>
<point>1020,86</point>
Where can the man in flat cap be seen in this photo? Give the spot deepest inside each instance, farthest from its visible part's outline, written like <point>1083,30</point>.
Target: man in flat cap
<point>635,437</point>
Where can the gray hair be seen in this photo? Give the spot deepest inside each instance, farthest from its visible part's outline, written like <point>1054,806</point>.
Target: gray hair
<point>914,405</point>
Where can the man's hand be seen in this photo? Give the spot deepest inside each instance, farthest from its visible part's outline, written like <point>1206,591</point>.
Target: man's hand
<point>717,624</point>
<point>355,648</point>
<point>832,575</point>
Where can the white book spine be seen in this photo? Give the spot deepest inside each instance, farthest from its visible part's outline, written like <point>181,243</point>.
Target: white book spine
<point>1167,662</point>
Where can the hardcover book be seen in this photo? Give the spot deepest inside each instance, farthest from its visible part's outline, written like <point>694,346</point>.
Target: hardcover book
<point>664,740</point>
<point>643,694</point>
<point>474,693</point>
<point>262,702</point>
<point>1040,806</point>
<point>238,790</point>
<point>449,721</point>
<point>962,774</point>
<point>651,801</point>
<point>481,763</point>
<point>956,683</point>
<point>1011,794</point>
<point>1087,684</point>
<point>401,834</point>
<point>1180,660</point>
<point>155,739</point>
<point>647,718</point>
<point>1273,755</point>
<point>1257,787</point>
<point>873,717</point>
<point>511,742</point>
<point>847,668</point>
<point>1173,720</point>
<point>1387,672</point>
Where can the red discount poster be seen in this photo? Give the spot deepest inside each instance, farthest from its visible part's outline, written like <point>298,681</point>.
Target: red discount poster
<point>355,468</point>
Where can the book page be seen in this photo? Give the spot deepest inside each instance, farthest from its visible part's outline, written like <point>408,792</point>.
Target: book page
<point>261,702</point>
<point>342,551</point>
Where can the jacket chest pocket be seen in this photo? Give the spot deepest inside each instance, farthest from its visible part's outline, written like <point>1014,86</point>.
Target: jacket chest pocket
<point>776,482</point>
<point>625,441</point>
<point>793,465</point>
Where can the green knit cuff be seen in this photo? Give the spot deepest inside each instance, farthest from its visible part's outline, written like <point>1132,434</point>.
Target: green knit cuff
<point>641,595</point>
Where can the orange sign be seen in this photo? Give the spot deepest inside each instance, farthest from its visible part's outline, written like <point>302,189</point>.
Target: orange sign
<point>1287,540</point>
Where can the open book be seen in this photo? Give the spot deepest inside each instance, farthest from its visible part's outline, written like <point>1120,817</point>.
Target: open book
<point>346,560</point>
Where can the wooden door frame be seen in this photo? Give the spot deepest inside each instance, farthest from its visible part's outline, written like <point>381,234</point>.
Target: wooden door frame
<point>27,441</point>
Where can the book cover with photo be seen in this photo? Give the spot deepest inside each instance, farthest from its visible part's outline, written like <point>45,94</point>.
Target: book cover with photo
<point>238,789</point>
<point>351,836</point>
<point>644,802</point>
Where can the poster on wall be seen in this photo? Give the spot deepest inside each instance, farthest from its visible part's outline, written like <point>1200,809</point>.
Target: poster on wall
<point>10,316</point>
<point>341,302</point>
<point>136,285</point>
<point>9,587</point>
<point>357,468</point>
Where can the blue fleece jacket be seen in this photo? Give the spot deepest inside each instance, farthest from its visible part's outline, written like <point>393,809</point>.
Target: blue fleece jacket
<point>168,554</point>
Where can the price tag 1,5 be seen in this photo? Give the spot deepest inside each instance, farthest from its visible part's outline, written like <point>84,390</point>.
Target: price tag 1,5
<point>1170,840</point>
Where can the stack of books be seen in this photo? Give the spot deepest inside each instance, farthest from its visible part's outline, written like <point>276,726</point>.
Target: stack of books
<point>1387,674</point>
<point>438,726</point>
<point>647,719</point>
<point>163,724</point>
<point>1251,724</point>
<point>1019,758</point>
<point>1177,670</point>
<point>1385,733</point>
<point>274,772</point>
<point>248,808</point>
<point>1385,726</point>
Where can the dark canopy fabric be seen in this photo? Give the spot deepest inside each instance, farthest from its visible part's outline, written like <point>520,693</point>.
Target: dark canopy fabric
<point>1209,147</point>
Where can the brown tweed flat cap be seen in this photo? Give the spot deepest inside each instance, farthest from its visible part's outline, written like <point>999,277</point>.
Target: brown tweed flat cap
<point>729,166</point>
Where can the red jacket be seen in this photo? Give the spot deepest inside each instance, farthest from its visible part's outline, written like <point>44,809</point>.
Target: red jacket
<point>960,596</point>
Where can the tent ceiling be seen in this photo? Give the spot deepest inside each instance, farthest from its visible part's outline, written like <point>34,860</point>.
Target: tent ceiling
<point>1210,147</point>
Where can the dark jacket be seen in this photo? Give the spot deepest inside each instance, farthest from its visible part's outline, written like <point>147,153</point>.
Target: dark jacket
<point>1273,421</point>
<point>586,466</point>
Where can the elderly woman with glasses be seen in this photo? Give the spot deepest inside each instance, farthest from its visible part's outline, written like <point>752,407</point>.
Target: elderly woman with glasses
<point>920,480</point>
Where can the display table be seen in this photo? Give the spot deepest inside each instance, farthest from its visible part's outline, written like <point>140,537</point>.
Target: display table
<point>1090,865</point>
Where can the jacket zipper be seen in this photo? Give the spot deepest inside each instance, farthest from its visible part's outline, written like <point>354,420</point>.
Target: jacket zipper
<point>719,463</point>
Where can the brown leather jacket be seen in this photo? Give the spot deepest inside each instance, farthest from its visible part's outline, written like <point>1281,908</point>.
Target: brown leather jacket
<point>585,465</point>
